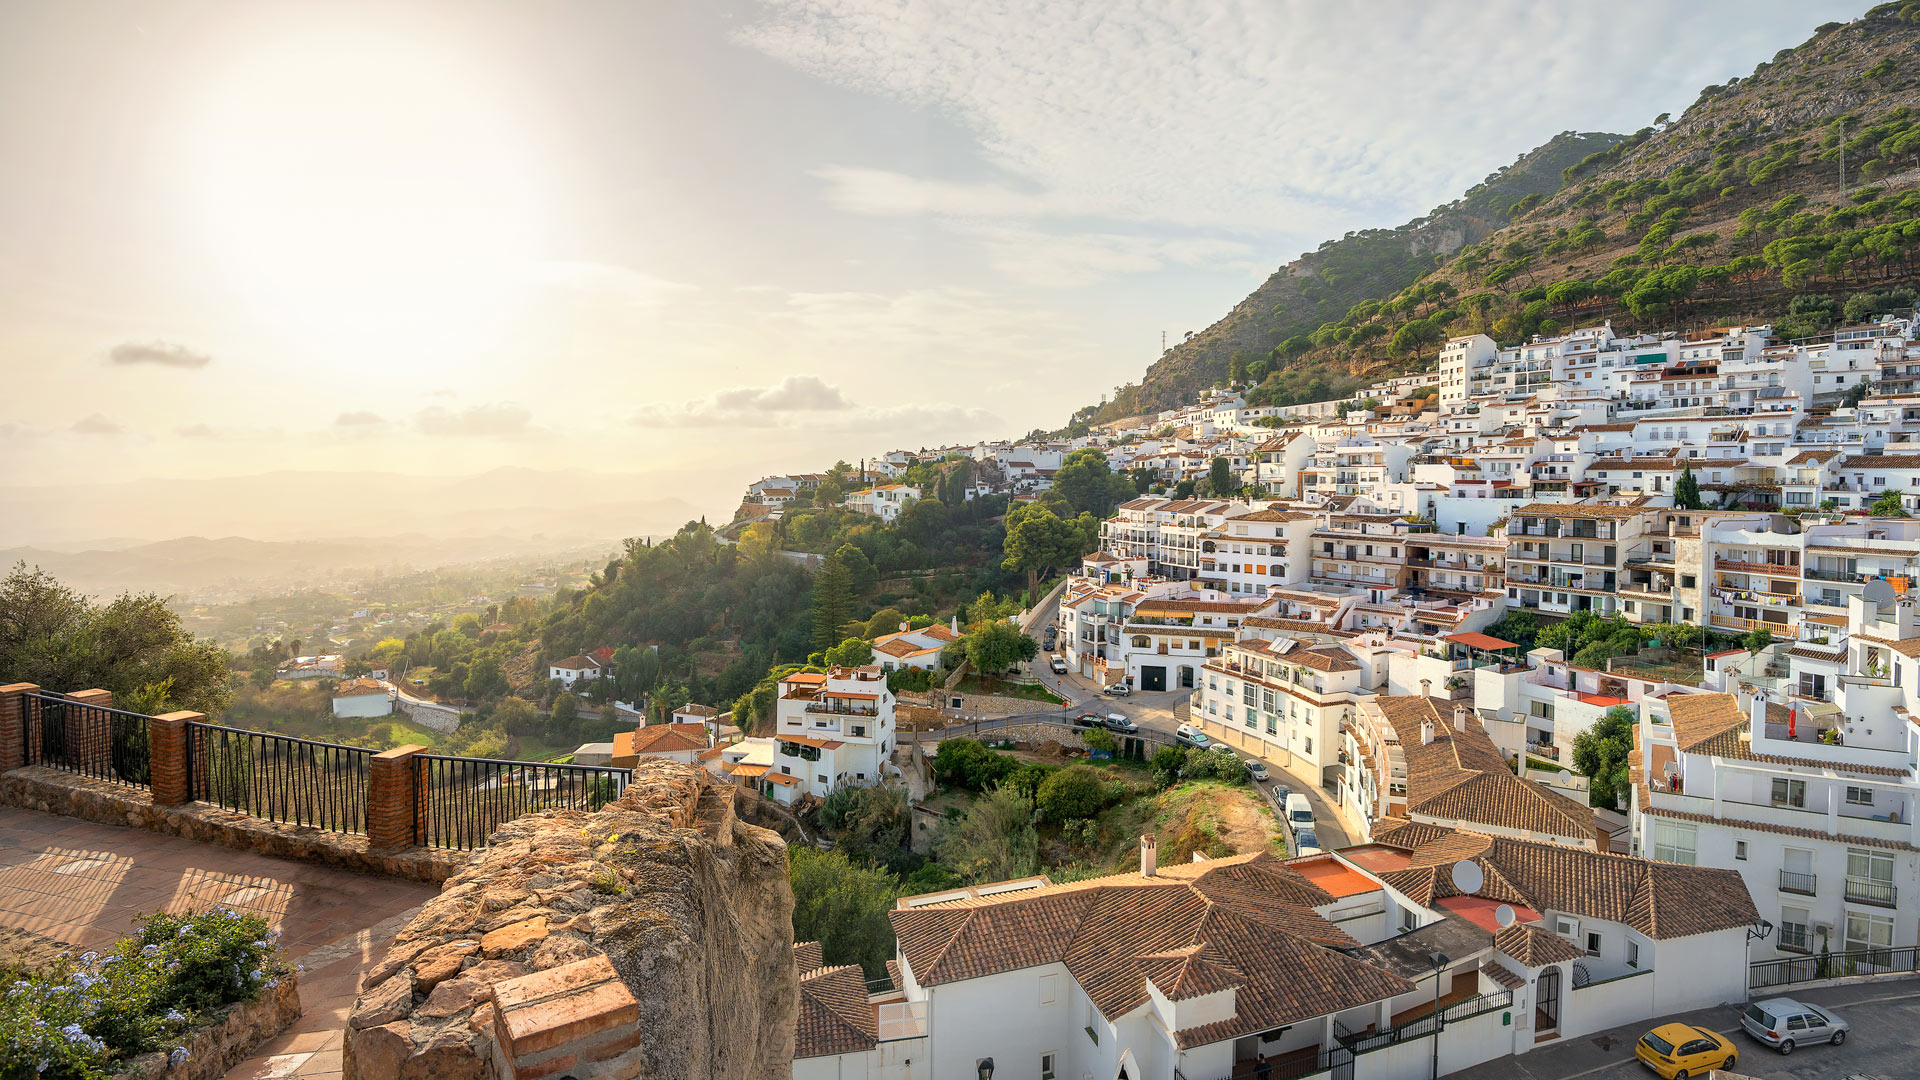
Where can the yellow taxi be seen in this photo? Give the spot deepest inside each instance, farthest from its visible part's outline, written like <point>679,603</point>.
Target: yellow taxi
<point>1680,1050</point>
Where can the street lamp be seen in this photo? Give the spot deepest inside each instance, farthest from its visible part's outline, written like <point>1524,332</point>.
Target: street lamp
<point>1439,960</point>
<point>986,1068</point>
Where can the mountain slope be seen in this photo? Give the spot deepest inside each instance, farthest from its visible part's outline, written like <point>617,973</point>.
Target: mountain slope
<point>1732,209</point>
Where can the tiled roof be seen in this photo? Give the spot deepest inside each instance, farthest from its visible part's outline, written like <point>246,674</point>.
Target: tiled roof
<point>1461,776</point>
<point>1503,975</point>
<point>1881,461</point>
<point>1244,920</point>
<point>576,662</point>
<point>1661,900</point>
<point>834,1016</point>
<point>659,739</point>
<point>1581,510</point>
<point>806,957</point>
<point>1535,946</point>
<point>1714,724</point>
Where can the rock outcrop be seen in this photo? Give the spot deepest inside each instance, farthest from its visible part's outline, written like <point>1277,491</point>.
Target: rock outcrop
<point>688,904</point>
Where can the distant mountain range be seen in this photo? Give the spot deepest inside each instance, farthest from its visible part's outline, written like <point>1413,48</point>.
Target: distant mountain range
<point>290,528</point>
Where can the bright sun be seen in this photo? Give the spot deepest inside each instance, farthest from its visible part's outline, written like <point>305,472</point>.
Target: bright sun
<point>367,195</point>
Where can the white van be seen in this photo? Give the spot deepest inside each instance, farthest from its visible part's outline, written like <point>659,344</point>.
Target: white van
<point>1188,735</point>
<point>1299,813</point>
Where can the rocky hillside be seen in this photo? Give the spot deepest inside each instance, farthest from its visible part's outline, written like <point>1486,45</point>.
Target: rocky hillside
<point>1736,207</point>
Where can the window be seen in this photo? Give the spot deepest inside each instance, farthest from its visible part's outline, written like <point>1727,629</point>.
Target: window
<point>1687,581</point>
<point>1859,796</point>
<point>1673,842</point>
<point>1593,943</point>
<point>1633,954</point>
<point>1869,873</point>
<point>1049,987</point>
<point>1793,929</point>
<point>1740,850</point>
<point>1868,932</point>
<point>1788,792</point>
<point>1092,1019</point>
<point>1046,1065</point>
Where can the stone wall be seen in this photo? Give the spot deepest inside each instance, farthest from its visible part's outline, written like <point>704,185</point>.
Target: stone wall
<point>54,791</point>
<point>651,938</point>
<point>226,1039</point>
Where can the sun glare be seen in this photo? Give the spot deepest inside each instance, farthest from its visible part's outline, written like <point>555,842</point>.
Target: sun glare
<point>367,196</point>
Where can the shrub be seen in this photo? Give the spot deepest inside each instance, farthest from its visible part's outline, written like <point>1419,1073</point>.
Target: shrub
<point>76,1020</point>
<point>1076,792</point>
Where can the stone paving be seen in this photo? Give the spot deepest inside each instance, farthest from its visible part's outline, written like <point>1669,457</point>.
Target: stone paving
<point>82,883</point>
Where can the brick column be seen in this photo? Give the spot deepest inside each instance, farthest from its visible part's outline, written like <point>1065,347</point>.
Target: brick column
<point>13,736</point>
<point>89,732</point>
<point>169,758</point>
<point>393,798</point>
<point>577,1019</point>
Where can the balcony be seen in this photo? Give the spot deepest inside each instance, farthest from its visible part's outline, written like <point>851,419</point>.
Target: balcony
<point>1768,569</point>
<point>1847,576</point>
<point>1793,882</point>
<point>842,710</point>
<point>1877,893</point>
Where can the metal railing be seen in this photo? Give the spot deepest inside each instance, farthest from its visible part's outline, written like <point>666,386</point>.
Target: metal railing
<point>1866,891</point>
<point>1832,965</point>
<point>460,801</point>
<point>1793,882</point>
<point>89,740</point>
<point>279,777</point>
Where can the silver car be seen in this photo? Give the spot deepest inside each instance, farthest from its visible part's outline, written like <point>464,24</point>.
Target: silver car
<point>1783,1023</point>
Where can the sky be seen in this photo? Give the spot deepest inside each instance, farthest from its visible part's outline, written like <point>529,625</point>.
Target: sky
<point>718,239</point>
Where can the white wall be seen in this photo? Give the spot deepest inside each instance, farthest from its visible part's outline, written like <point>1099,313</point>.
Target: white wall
<point>363,705</point>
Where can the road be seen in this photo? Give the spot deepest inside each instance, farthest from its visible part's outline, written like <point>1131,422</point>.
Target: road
<point>1884,1015</point>
<point>1154,712</point>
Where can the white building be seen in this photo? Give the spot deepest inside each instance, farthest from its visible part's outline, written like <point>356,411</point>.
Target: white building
<point>913,648</point>
<point>362,697</point>
<point>835,728</point>
<point>574,669</point>
<point>884,501</point>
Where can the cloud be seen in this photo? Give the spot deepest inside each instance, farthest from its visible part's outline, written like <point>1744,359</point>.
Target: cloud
<point>357,420</point>
<point>502,420</point>
<point>162,353</point>
<point>194,431</point>
<point>808,402</point>
<point>607,279</point>
<point>96,424</point>
<point>795,393</point>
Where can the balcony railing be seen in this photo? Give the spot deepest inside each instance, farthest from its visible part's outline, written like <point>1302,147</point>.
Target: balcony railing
<point>1794,882</point>
<point>1786,972</point>
<point>843,710</point>
<point>1864,891</point>
<point>1833,575</point>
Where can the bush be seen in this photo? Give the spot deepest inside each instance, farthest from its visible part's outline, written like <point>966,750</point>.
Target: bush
<point>80,1018</point>
<point>1075,792</point>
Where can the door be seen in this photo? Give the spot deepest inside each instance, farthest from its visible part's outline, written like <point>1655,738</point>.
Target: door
<point>1546,1001</point>
<point>1153,678</point>
<point>1186,677</point>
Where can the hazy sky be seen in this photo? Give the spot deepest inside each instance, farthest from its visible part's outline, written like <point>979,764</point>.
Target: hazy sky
<point>718,238</point>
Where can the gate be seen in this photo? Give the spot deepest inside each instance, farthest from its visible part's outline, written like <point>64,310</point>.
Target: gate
<point>1153,678</point>
<point>1340,1061</point>
<point>1546,1003</point>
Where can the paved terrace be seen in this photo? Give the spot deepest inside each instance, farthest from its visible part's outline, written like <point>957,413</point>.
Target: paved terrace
<point>82,883</point>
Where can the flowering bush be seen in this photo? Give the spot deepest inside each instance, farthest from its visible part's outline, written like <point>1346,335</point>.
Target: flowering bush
<point>76,1019</point>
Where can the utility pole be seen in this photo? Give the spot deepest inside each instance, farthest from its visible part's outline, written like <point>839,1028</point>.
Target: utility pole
<point>1163,343</point>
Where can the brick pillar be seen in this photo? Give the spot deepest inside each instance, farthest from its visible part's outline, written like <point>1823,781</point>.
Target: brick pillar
<point>393,793</point>
<point>169,759</point>
<point>90,732</point>
<point>13,737</point>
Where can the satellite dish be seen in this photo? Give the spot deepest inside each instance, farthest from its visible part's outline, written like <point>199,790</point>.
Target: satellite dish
<point>1467,877</point>
<point>1503,915</point>
<point>1565,778</point>
<point>1878,591</point>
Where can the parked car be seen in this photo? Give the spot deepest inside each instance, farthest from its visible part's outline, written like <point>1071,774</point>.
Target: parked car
<point>1784,1023</point>
<point>1120,725</point>
<point>1256,771</point>
<point>1279,793</point>
<point>1089,720</point>
<point>1058,665</point>
<point>1306,843</point>
<point>1119,689</point>
<point>1676,1050</point>
<point>1222,747</point>
<point>1188,735</point>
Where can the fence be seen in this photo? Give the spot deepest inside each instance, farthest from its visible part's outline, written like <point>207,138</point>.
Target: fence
<point>79,736</point>
<point>396,799</point>
<point>460,801</point>
<point>278,777</point>
<point>1833,965</point>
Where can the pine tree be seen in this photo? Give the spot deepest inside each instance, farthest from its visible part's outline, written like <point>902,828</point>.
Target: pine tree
<point>1686,491</point>
<point>832,603</point>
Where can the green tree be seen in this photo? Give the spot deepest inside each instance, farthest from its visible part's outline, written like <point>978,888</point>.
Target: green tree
<point>1600,755</point>
<point>517,715</point>
<point>832,603</point>
<point>57,638</point>
<point>485,679</point>
<point>853,652</point>
<point>843,906</point>
<point>1757,639</point>
<point>1039,541</point>
<point>1889,504</point>
<point>566,716</point>
<point>861,574</point>
<point>1686,491</point>
<point>1074,792</point>
<point>995,840</point>
<point>997,646</point>
<point>1220,479</point>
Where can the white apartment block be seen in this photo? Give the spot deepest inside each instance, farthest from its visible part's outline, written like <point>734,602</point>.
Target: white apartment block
<point>834,728</point>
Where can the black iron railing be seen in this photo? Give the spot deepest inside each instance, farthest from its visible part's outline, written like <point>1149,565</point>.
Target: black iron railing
<point>1795,882</point>
<point>280,778</point>
<point>1832,965</point>
<point>1866,891</point>
<point>460,801</point>
<point>90,740</point>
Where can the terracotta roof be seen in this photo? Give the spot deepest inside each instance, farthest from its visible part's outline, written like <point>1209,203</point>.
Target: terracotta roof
<point>359,688</point>
<point>1227,606</point>
<point>1535,946</point>
<point>696,710</point>
<point>1461,776</point>
<point>1475,640</point>
<point>659,739</point>
<point>1245,921</point>
<point>576,662</point>
<point>806,957</point>
<point>1661,900</point>
<point>1647,807</point>
<point>1582,510</point>
<point>1503,975</point>
<point>1324,658</point>
<point>1881,461</point>
<point>1714,723</point>
<point>834,1016</point>
<point>1272,515</point>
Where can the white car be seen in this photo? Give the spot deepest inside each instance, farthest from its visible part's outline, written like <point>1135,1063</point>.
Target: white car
<point>1783,1022</point>
<point>1119,689</point>
<point>1058,665</point>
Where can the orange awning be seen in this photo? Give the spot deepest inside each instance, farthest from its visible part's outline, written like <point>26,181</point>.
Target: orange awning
<point>1475,640</point>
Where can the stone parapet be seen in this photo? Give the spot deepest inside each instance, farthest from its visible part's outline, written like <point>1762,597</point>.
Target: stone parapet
<point>225,1039</point>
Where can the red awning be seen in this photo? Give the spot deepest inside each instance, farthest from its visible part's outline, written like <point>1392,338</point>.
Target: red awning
<point>1475,640</point>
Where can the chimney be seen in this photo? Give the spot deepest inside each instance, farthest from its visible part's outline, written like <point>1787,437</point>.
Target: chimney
<point>903,627</point>
<point>1460,718</point>
<point>1426,733</point>
<point>1426,687</point>
<point>1149,855</point>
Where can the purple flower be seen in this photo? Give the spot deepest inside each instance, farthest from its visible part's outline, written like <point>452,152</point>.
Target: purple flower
<point>177,1057</point>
